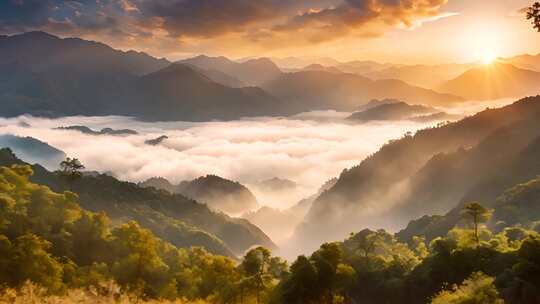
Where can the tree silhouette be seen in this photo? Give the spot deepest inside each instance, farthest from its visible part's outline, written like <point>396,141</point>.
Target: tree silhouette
<point>533,13</point>
<point>255,266</point>
<point>478,214</point>
<point>70,169</point>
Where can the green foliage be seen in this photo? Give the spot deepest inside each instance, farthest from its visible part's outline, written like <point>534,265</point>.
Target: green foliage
<point>27,258</point>
<point>174,218</point>
<point>477,289</point>
<point>46,238</point>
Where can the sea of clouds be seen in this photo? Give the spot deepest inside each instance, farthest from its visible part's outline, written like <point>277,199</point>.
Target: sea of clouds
<point>308,149</point>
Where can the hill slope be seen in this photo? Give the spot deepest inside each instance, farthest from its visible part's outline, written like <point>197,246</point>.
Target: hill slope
<point>391,111</point>
<point>218,193</point>
<point>173,217</point>
<point>410,177</point>
<point>195,97</point>
<point>33,150</point>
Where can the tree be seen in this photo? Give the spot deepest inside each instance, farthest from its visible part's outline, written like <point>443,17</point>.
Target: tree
<point>70,168</point>
<point>326,261</point>
<point>301,286</point>
<point>255,266</point>
<point>533,13</point>
<point>138,267</point>
<point>478,214</point>
<point>32,261</point>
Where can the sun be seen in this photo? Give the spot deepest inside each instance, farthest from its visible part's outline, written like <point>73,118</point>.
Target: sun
<point>488,58</point>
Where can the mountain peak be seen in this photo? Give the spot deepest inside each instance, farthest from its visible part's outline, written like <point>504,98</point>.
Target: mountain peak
<point>37,34</point>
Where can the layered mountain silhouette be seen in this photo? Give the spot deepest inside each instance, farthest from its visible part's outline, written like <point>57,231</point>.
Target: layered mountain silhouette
<point>320,67</point>
<point>253,72</point>
<point>45,75</point>
<point>527,62</point>
<point>430,173</point>
<point>320,90</point>
<point>178,92</point>
<point>218,193</point>
<point>362,67</point>
<point>41,52</point>
<point>493,81</point>
<point>426,76</point>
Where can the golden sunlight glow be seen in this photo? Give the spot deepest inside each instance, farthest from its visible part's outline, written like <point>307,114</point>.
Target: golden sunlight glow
<point>486,41</point>
<point>488,57</point>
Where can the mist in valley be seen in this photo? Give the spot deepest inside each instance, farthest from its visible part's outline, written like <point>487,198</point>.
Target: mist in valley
<point>305,150</point>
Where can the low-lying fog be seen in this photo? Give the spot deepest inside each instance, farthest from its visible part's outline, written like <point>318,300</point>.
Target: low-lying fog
<point>308,149</point>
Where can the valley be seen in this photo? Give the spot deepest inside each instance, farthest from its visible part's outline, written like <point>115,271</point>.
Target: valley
<point>269,152</point>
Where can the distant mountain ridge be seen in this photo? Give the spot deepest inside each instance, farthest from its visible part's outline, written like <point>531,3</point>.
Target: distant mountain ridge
<point>253,72</point>
<point>39,51</point>
<point>47,75</point>
<point>322,90</point>
<point>494,81</point>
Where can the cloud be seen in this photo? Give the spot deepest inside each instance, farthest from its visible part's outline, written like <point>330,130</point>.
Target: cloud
<point>359,16</point>
<point>127,23</point>
<point>308,152</point>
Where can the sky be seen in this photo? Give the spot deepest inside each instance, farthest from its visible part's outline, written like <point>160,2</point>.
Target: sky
<point>397,31</point>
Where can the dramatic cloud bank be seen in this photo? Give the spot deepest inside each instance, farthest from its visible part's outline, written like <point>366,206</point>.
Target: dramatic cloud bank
<point>308,149</point>
<point>189,25</point>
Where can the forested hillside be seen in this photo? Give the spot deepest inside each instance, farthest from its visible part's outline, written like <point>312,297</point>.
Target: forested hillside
<point>173,217</point>
<point>218,193</point>
<point>48,239</point>
<point>430,172</point>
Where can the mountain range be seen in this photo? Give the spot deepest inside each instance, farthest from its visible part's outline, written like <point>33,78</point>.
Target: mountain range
<point>323,90</point>
<point>253,72</point>
<point>48,76</point>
